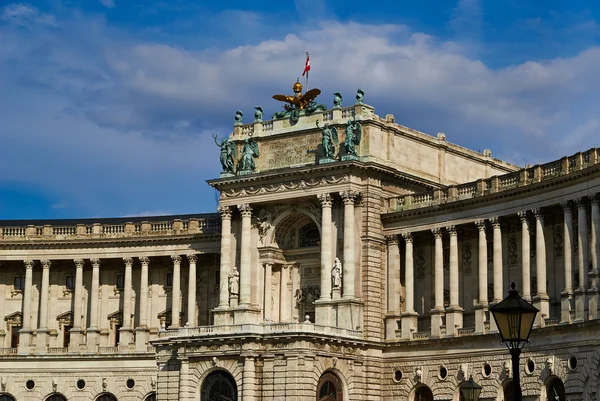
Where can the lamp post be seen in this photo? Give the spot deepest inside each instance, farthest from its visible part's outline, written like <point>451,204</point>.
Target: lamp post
<point>514,317</point>
<point>470,390</point>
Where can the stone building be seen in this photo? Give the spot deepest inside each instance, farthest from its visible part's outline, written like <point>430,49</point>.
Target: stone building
<point>348,276</point>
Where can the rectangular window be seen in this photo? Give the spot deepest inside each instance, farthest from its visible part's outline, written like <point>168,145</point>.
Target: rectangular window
<point>66,335</point>
<point>169,279</point>
<point>121,281</point>
<point>19,283</point>
<point>70,282</point>
<point>14,336</point>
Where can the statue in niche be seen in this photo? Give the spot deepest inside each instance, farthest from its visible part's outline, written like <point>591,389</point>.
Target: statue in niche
<point>353,136</point>
<point>329,140</point>
<point>337,100</point>
<point>228,154</point>
<point>360,96</point>
<point>238,117</point>
<point>234,282</point>
<point>336,274</point>
<point>258,114</point>
<point>299,298</point>
<point>249,152</point>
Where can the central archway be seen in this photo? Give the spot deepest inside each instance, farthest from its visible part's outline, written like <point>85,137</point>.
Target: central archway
<point>6,397</point>
<point>56,397</point>
<point>330,388</point>
<point>219,386</point>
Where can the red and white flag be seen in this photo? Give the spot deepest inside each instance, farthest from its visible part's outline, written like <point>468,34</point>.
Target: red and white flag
<point>306,65</point>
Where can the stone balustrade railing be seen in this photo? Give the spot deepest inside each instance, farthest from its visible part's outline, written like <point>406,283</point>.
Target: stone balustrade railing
<point>526,176</point>
<point>44,232</point>
<point>261,329</point>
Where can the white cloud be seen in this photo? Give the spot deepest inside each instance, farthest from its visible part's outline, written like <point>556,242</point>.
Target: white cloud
<point>23,15</point>
<point>107,3</point>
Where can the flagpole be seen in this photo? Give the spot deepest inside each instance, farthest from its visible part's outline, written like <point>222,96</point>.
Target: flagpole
<point>306,75</point>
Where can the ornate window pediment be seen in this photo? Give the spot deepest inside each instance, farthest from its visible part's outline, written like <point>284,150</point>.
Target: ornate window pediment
<point>14,319</point>
<point>116,318</point>
<point>65,319</point>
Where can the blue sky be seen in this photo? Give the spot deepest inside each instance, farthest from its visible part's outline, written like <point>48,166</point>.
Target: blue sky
<point>108,106</point>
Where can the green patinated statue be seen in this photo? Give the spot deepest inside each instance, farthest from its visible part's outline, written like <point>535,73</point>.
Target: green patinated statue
<point>353,136</point>
<point>238,117</point>
<point>279,114</point>
<point>249,152</point>
<point>258,114</point>
<point>228,154</point>
<point>329,140</point>
<point>337,100</point>
<point>360,97</point>
<point>314,106</point>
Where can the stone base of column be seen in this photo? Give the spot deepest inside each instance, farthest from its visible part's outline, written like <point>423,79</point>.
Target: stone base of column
<point>245,314</point>
<point>454,319</point>
<point>125,338</point>
<point>92,335</point>
<point>566,307</point>
<point>592,303</point>
<point>436,322</point>
<point>580,305</point>
<point>24,341</point>
<point>542,302</point>
<point>222,316</point>
<point>75,340</point>
<point>41,340</point>
<point>324,313</point>
<point>480,318</point>
<point>349,314</point>
<point>409,323</point>
<point>391,326</point>
<point>141,339</point>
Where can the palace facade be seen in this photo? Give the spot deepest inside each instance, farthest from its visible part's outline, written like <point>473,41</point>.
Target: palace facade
<point>366,275</point>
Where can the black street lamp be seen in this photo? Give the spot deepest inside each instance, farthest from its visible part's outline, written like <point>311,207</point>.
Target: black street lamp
<point>514,317</point>
<point>470,390</point>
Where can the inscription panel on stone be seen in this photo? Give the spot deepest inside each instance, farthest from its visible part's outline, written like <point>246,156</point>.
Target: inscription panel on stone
<point>284,152</point>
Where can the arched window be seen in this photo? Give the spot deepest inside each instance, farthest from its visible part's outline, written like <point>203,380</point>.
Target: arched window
<point>219,385</point>
<point>56,397</point>
<point>6,397</point>
<point>423,393</point>
<point>150,397</point>
<point>555,390</point>
<point>329,388</point>
<point>309,235</point>
<point>106,397</point>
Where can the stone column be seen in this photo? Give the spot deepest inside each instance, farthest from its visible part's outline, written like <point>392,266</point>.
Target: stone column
<point>581,306</point>
<point>76,336</point>
<point>42,331</point>
<point>593,292</point>
<point>141,332</point>
<point>248,379</point>
<point>245,255</point>
<point>393,287</point>
<point>541,299</point>
<point>191,301</point>
<point>525,256</point>
<point>409,317</point>
<point>25,332</point>
<point>567,293</point>
<point>225,257</point>
<point>284,294</point>
<point>326,260</point>
<point>438,310</point>
<point>454,313</point>
<point>497,267</point>
<point>125,333</point>
<point>93,330</point>
<point>176,292</point>
<point>482,305</point>
<point>268,296</point>
<point>349,198</point>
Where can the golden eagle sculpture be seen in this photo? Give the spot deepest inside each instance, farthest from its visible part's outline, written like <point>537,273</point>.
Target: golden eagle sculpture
<point>298,101</point>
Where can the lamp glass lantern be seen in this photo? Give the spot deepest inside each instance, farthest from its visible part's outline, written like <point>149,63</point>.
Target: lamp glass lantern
<point>514,318</point>
<point>470,390</point>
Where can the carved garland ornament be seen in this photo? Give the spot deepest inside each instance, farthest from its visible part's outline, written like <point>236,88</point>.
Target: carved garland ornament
<point>291,185</point>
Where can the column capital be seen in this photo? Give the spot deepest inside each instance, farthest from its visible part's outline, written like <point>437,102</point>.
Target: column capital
<point>29,263</point>
<point>537,213</point>
<point>270,265</point>
<point>567,206</point>
<point>580,203</point>
<point>325,199</point>
<point>245,209</point>
<point>452,231</point>
<point>480,225</point>
<point>192,258</point>
<point>495,222</point>
<point>176,259</point>
<point>144,260</point>
<point>128,261</point>
<point>225,212</point>
<point>349,197</point>
<point>594,198</point>
<point>95,262</point>
<point>79,263</point>
<point>437,232</point>
<point>45,263</point>
<point>391,239</point>
<point>408,237</point>
<point>522,215</point>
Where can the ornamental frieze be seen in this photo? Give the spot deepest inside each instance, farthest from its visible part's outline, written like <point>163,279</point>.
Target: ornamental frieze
<point>287,186</point>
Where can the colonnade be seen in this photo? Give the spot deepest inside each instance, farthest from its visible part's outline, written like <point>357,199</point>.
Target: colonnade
<point>577,304</point>
<point>77,341</point>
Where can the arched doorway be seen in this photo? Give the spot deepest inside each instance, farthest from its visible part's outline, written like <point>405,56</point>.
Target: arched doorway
<point>219,386</point>
<point>329,388</point>
<point>6,397</point>
<point>555,390</point>
<point>423,393</point>
<point>106,397</point>
<point>507,390</point>
<point>150,397</point>
<point>56,397</point>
